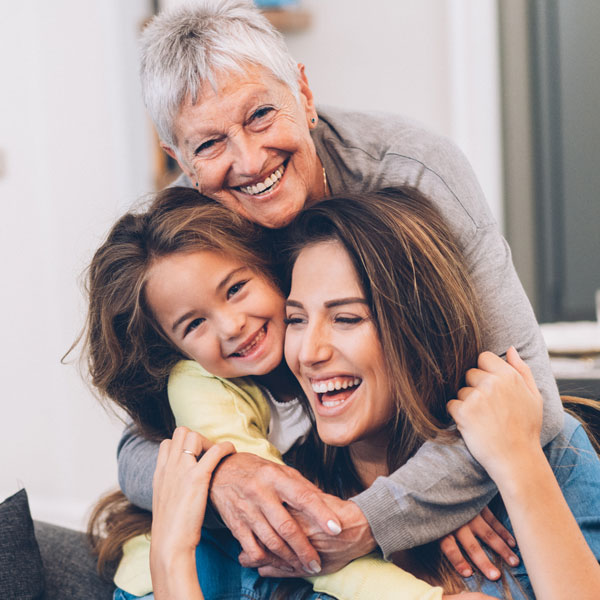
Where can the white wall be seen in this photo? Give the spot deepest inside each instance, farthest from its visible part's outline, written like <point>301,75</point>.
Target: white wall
<point>74,153</point>
<point>75,150</point>
<point>433,60</point>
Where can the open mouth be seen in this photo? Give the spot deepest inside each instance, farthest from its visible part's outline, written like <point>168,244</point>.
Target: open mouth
<point>267,185</point>
<point>335,391</point>
<point>251,346</point>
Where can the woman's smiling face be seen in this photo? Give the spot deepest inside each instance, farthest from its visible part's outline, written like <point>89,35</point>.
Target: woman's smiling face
<point>218,312</point>
<point>332,347</point>
<point>248,145</point>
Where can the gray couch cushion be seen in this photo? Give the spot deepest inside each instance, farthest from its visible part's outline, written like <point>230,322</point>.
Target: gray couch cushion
<point>70,567</point>
<point>21,570</point>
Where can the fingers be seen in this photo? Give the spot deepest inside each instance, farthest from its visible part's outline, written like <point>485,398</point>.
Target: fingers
<point>450,548</point>
<point>473,549</point>
<point>282,535</point>
<point>515,361</point>
<point>483,530</point>
<point>489,517</point>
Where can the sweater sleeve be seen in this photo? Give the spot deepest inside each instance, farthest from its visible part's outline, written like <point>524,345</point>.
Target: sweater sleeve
<point>442,486</point>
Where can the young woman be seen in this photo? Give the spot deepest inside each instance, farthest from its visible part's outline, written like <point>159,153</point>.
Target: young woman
<point>416,320</point>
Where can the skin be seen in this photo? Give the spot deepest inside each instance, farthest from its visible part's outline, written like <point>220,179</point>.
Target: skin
<point>241,133</point>
<point>499,415</point>
<point>218,312</point>
<point>234,136</point>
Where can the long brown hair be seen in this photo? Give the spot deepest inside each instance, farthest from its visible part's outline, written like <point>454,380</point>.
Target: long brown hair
<point>426,313</point>
<point>128,356</point>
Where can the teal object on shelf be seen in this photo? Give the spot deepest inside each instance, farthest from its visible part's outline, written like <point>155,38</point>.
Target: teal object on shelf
<point>275,3</point>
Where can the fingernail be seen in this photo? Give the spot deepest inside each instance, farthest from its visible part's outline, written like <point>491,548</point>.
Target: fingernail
<point>513,561</point>
<point>467,573</point>
<point>334,527</point>
<point>511,542</point>
<point>494,574</point>
<point>314,567</point>
<point>287,568</point>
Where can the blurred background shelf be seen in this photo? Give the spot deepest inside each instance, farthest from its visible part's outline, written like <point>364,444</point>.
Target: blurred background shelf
<point>289,20</point>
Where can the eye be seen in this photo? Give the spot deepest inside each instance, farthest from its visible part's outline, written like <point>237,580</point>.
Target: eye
<point>294,320</point>
<point>261,113</point>
<point>347,319</point>
<point>235,288</point>
<point>192,325</point>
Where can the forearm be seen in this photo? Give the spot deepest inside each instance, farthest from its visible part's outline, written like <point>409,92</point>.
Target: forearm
<point>174,577</point>
<point>438,490</point>
<point>548,535</point>
<point>136,457</point>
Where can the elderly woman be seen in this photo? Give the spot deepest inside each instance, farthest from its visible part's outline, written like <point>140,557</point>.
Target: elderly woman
<point>237,113</point>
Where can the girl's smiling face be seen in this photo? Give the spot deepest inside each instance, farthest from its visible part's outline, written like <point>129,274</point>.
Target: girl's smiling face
<point>218,312</point>
<point>333,348</point>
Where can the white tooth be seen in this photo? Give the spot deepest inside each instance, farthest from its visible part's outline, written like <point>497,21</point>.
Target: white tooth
<point>338,385</point>
<point>270,180</point>
<point>323,388</point>
<point>356,381</point>
<point>345,385</point>
<point>330,386</point>
<point>260,187</point>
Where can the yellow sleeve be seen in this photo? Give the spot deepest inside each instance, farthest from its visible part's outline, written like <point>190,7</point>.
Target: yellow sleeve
<point>221,409</point>
<point>372,577</point>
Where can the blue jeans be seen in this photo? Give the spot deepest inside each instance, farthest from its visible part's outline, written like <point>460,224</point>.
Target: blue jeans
<point>575,465</point>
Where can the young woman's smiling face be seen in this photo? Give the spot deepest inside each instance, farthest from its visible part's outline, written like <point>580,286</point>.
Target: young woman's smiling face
<point>218,312</point>
<point>332,347</point>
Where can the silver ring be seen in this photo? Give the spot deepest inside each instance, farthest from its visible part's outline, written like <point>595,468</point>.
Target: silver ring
<point>190,453</point>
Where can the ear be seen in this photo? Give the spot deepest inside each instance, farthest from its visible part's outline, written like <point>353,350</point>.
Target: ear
<point>184,167</point>
<point>307,98</point>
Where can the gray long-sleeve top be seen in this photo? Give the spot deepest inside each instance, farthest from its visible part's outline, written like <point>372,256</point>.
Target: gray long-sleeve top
<point>442,486</point>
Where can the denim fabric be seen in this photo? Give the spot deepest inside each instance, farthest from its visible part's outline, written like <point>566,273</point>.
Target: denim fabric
<point>577,470</point>
<point>222,578</point>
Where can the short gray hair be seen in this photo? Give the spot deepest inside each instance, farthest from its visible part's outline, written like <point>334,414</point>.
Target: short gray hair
<point>185,47</point>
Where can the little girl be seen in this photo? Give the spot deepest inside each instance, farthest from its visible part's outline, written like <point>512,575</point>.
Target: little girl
<point>187,293</point>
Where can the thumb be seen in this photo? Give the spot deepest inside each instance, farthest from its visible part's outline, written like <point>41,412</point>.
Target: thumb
<point>517,363</point>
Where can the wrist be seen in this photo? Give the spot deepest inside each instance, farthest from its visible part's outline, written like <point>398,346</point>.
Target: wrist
<point>516,478</point>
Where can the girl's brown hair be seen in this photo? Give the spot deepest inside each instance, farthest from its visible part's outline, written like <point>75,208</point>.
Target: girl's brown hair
<point>128,356</point>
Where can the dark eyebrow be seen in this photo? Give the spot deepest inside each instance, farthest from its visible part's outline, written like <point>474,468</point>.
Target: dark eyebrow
<point>181,319</point>
<point>343,301</point>
<point>229,276</point>
<point>330,303</point>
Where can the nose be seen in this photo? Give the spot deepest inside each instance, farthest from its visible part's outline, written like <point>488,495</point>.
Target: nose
<point>315,345</point>
<point>231,323</point>
<point>249,155</point>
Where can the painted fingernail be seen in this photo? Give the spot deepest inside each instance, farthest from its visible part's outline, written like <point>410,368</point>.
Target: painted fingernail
<point>467,573</point>
<point>494,574</point>
<point>314,567</point>
<point>513,561</point>
<point>334,527</point>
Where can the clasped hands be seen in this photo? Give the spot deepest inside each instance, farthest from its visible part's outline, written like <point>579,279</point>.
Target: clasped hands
<point>287,527</point>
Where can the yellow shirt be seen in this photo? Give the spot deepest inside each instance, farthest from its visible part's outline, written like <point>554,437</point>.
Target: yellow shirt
<point>237,411</point>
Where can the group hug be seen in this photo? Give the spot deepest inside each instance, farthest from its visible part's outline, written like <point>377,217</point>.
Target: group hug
<point>335,385</point>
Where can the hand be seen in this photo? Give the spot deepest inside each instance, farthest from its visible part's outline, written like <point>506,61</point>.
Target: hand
<point>468,596</point>
<point>180,491</point>
<point>254,497</point>
<point>484,527</point>
<point>355,540</point>
<point>499,413</point>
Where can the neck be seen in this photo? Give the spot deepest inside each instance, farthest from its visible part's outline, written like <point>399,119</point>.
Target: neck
<point>369,457</point>
<point>281,383</point>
